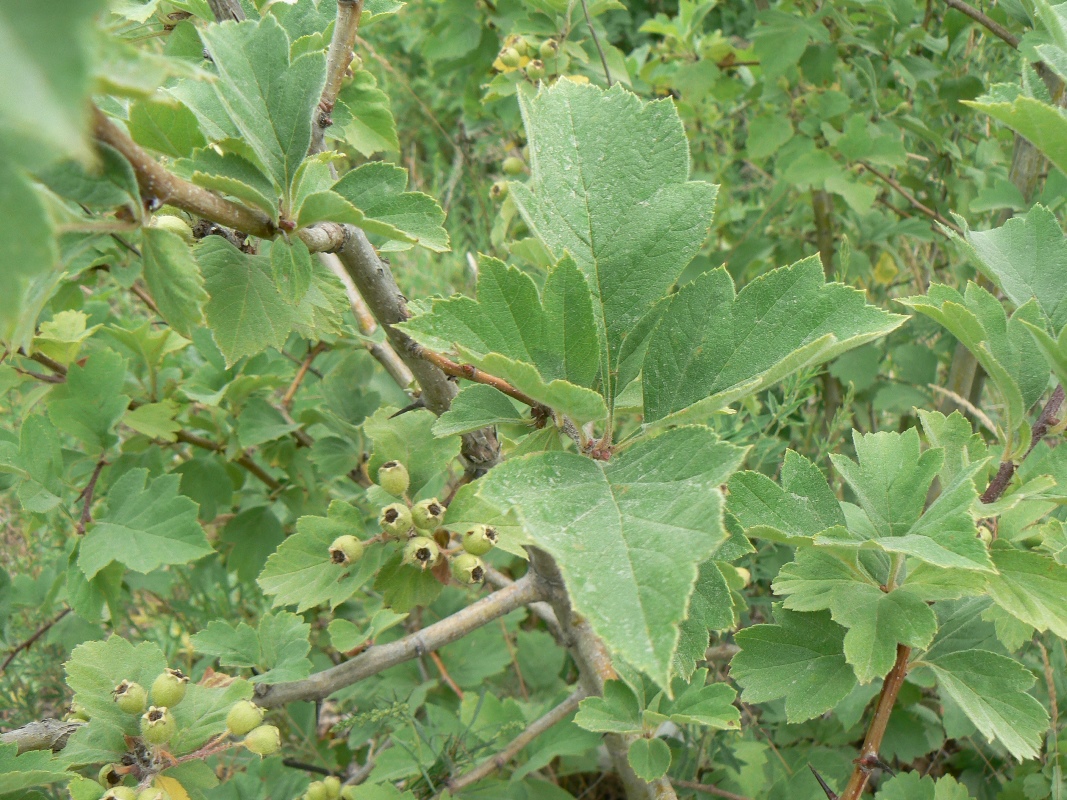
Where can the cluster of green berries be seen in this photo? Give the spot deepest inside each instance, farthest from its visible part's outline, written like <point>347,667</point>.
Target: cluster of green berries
<point>157,721</point>
<point>417,526</point>
<point>519,52</point>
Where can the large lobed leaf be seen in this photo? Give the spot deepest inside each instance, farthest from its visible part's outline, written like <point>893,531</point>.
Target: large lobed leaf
<point>629,535</point>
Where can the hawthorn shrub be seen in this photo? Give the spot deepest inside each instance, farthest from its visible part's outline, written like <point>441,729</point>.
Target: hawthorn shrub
<point>314,490</point>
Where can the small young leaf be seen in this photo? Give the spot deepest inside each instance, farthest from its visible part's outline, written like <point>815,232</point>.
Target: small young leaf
<point>362,116</point>
<point>617,711</point>
<point>650,758</point>
<point>475,407</point>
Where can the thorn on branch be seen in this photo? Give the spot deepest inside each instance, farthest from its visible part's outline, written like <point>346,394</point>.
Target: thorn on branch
<point>826,789</point>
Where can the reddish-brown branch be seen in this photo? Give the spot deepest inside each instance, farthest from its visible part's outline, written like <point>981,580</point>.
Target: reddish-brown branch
<point>26,645</point>
<point>87,494</point>
<point>450,367</point>
<point>912,199</point>
<point>437,662</point>
<point>1000,481</point>
<point>992,26</point>
<point>301,373</point>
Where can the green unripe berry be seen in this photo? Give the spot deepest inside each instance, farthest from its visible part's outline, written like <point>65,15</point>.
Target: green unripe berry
<point>349,793</point>
<point>357,63</point>
<point>498,191</point>
<point>467,568</point>
<point>428,514</point>
<point>535,70</point>
<point>333,787</point>
<point>169,688</point>
<point>422,552</point>
<point>130,697</point>
<point>549,49</point>
<point>513,165</point>
<point>393,477</point>
<point>244,716</point>
<point>395,520</point>
<point>158,725</point>
<point>108,777</point>
<point>173,224</point>
<point>266,740</point>
<point>120,793</point>
<point>510,57</point>
<point>153,793</point>
<point>317,791</point>
<point>479,540</point>
<point>346,550</point>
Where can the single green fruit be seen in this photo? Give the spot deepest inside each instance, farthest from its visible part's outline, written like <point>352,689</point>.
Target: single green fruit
<point>395,520</point>
<point>467,568</point>
<point>513,165</point>
<point>169,688</point>
<point>130,697</point>
<point>535,70</point>
<point>479,540</point>
<point>317,791</point>
<point>158,725</point>
<point>549,49</point>
<point>265,740</point>
<point>985,534</point>
<point>346,550</point>
<point>499,190</point>
<point>243,717</point>
<point>108,777</point>
<point>422,552</point>
<point>393,477</point>
<point>333,787</point>
<point>428,514</point>
<point>510,57</point>
<point>120,793</point>
<point>176,225</point>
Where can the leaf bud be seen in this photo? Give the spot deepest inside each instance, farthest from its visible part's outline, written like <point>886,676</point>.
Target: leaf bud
<point>428,514</point>
<point>479,540</point>
<point>169,688</point>
<point>422,552</point>
<point>243,717</point>
<point>265,740</point>
<point>395,520</point>
<point>393,477</point>
<point>346,550</point>
<point>467,568</point>
<point>130,697</point>
<point>158,725</point>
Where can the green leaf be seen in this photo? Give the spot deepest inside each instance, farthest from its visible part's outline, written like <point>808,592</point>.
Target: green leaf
<point>346,636</point>
<point>155,420</point>
<point>35,768</point>
<point>174,279</point>
<point>362,116</point>
<point>26,238</point>
<point>61,338</point>
<point>408,439</point>
<point>41,459</point>
<point>800,659</point>
<point>610,185</point>
<point>1031,587</point>
<point>475,407</point>
<point>697,702</point>
<point>545,346</point>
<point>991,690</point>
<point>378,189</point>
<point>1044,125</point>
<point>713,347</point>
<point>291,264</point>
<point>1024,257</point>
<point>710,608</point>
<point>43,108</point>
<point>278,648</point>
<point>650,758</point>
<point>232,174</point>
<point>618,710</point>
<point>913,786</point>
<point>801,507</point>
<point>404,587</point>
<point>269,99</point>
<point>168,128</point>
<point>88,404</point>
<point>254,534</point>
<point>635,529</point>
<point>301,573</point>
<point>146,525</point>
<point>261,422</point>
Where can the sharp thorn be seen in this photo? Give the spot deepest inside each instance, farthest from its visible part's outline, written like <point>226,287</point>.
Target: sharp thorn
<point>829,792</point>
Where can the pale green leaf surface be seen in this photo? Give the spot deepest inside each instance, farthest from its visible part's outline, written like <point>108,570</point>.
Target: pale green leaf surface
<point>991,690</point>
<point>476,407</point>
<point>155,420</point>
<point>146,524</point>
<point>710,608</point>
<point>649,758</point>
<point>292,267</point>
<point>1044,125</point>
<point>278,647</point>
<point>697,702</point>
<point>955,436</point>
<point>269,99</point>
<point>232,174</point>
<point>800,658</point>
<point>610,185</point>
<point>635,529</point>
<point>168,128</point>
<point>89,403</point>
<point>913,786</point>
<point>363,118</point>
<point>712,346</point>
<point>35,768</point>
<point>1031,587</point>
<point>173,279</point>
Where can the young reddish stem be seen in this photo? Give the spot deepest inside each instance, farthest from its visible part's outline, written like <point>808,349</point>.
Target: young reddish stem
<point>471,373</point>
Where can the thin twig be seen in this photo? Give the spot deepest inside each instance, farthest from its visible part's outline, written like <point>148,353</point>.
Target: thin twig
<point>1000,481</point>
<point>437,662</point>
<point>301,373</point>
<point>967,405</point>
<point>516,745</point>
<point>338,57</point>
<point>475,375</point>
<point>707,788</point>
<point>28,643</point>
<point>993,26</point>
<point>87,493</point>
<point>596,43</point>
<point>912,199</point>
